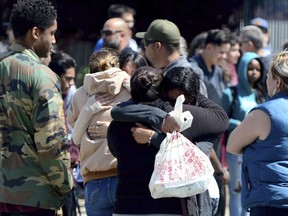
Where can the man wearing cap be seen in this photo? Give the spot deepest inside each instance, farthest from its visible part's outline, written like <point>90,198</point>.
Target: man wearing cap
<point>162,43</point>
<point>263,25</point>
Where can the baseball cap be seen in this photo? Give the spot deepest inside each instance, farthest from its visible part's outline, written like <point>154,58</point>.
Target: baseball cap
<point>260,22</point>
<point>161,30</point>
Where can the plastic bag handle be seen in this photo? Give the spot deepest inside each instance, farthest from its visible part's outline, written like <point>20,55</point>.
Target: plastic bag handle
<point>184,119</point>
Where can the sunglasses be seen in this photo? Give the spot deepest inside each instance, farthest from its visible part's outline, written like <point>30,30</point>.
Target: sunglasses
<point>148,42</point>
<point>108,32</point>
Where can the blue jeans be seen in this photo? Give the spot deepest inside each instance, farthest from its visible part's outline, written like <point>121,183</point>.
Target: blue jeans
<point>100,196</point>
<point>234,164</point>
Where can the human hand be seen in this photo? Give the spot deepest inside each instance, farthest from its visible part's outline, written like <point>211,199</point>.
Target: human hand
<point>224,175</point>
<point>169,124</point>
<point>141,134</point>
<point>96,103</point>
<point>99,130</point>
<point>104,99</point>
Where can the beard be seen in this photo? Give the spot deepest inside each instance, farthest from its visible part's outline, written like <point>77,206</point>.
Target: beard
<point>111,44</point>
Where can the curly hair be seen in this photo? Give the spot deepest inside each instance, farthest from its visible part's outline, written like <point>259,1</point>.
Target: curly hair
<point>104,59</point>
<point>27,14</point>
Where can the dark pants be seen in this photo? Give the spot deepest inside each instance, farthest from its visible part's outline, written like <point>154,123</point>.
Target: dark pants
<point>222,199</point>
<point>268,211</point>
<point>36,213</point>
<point>69,207</point>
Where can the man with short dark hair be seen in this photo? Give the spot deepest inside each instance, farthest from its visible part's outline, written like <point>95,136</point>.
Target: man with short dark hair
<point>216,47</point>
<point>215,50</point>
<point>34,165</point>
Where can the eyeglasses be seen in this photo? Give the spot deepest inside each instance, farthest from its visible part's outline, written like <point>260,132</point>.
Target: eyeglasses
<point>108,32</point>
<point>148,42</point>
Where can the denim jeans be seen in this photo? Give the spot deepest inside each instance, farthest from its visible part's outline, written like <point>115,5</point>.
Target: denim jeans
<point>100,196</point>
<point>234,164</point>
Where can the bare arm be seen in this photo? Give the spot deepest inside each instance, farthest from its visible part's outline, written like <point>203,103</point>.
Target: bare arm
<point>257,124</point>
<point>219,170</point>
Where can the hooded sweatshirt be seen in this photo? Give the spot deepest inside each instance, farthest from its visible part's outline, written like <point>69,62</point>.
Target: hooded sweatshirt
<point>238,104</point>
<point>95,158</point>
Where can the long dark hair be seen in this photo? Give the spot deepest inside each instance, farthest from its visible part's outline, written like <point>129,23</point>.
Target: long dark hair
<point>184,79</point>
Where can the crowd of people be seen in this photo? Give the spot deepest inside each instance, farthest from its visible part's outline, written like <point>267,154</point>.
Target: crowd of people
<point>102,137</point>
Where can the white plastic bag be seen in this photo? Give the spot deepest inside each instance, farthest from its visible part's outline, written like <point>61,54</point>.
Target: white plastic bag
<point>181,169</point>
<point>184,119</point>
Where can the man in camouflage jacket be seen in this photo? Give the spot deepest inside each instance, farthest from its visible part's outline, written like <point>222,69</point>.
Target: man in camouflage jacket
<point>34,166</point>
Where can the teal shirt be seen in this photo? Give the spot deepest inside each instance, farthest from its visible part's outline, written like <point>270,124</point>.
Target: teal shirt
<point>35,160</point>
<point>239,104</point>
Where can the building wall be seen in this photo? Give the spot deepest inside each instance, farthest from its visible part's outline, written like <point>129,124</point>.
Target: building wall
<point>275,12</point>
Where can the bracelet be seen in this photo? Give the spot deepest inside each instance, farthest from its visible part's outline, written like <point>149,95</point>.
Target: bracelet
<point>150,138</point>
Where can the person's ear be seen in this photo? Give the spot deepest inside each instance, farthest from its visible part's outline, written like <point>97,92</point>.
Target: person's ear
<point>209,46</point>
<point>158,45</point>
<point>35,33</point>
<point>251,44</point>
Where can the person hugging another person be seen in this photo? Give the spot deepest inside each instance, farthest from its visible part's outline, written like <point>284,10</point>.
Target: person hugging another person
<point>135,147</point>
<point>105,86</point>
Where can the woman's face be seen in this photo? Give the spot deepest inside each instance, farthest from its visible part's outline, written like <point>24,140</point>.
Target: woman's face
<point>233,54</point>
<point>254,71</point>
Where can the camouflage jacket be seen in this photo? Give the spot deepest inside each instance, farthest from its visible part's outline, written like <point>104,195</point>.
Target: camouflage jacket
<point>34,166</point>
